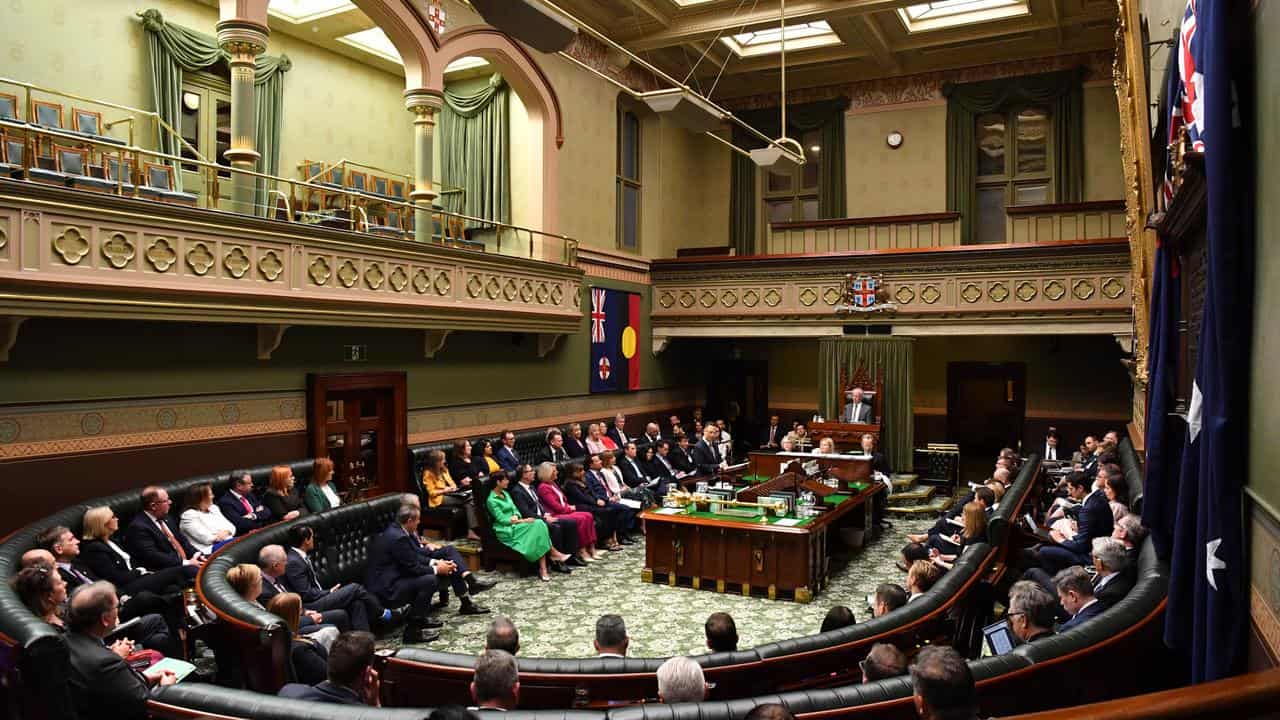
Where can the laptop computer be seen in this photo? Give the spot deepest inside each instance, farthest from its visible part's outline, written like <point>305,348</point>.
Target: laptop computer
<point>1036,530</point>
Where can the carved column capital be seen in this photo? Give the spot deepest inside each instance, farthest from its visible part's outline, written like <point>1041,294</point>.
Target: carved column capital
<point>243,40</point>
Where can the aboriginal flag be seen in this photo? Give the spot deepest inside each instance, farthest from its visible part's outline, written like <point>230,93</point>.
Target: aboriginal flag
<point>615,336</point>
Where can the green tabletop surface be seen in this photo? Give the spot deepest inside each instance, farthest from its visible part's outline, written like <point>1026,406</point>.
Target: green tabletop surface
<point>754,519</point>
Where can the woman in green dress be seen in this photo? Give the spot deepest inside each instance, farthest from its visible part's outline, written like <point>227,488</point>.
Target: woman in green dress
<point>527,536</point>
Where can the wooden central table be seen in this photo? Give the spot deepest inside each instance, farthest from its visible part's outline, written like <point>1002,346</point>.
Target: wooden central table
<point>751,554</point>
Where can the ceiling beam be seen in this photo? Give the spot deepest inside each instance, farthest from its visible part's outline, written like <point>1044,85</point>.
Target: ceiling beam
<point>708,24</point>
<point>879,44</point>
<point>817,56</point>
<point>648,8</point>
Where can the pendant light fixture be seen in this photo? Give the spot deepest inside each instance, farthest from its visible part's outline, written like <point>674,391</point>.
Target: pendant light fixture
<point>784,152</point>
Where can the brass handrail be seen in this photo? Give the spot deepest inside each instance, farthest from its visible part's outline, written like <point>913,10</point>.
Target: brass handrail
<point>210,199</point>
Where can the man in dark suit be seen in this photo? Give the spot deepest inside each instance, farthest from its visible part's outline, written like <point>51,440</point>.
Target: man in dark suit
<point>505,455</point>
<point>618,433</point>
<point>300,577</point>
<point>462,580</point>
<point>662,459</point>
<point>351,677</point>
<point>856,411</point>
<point>398,574</point>
<point>1114,578</point>
<point>554,451</point>
<point>563,531</point>
<point>1094,520</point>
<point>634,476</point>
<point>706,455</point>
<point>242,507</point>
<point>1032,610</point>
<point>771,438</point>
<point>101,681</point>
<point>680,458</point>
<point>272,561</point>
<point>153,541</point>
<point>652,434</point>
<point>1075,594</point>
<point>624,516</point>
<point>158,618</point>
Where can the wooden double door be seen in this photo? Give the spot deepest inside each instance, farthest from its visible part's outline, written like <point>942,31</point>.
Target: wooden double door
<point>360,422</point>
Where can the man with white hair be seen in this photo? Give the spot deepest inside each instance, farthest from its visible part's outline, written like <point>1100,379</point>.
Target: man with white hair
<point>680,679</point>
<point>1113,579</point>
<point>856,411</point>
<point>1128,530</point>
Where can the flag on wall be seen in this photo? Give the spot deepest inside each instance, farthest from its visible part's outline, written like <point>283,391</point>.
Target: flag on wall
<point>615,335</point>
<point>1202,491</point>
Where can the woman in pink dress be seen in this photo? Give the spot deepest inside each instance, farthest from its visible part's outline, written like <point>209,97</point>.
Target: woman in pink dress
<point>557,506</point>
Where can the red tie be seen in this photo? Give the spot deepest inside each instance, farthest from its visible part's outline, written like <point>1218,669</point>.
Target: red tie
<point>177,546</point>
<point>247,507</point>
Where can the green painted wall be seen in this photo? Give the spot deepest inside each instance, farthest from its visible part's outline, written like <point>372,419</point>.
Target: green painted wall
<point>123,360</point>
<point>1264,453</point>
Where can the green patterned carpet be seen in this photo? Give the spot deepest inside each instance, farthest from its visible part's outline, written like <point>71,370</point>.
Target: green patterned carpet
<point>557,619</point>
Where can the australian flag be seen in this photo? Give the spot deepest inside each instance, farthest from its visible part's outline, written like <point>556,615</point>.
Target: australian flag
<point>615,336</point>
<point>1195,501</point>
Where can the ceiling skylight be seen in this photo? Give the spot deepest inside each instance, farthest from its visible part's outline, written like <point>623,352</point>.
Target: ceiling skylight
<point>301,11</point>
<point>769,40</point>
<point>942,14</point>
<point>375,42</point>
<point>687,3</point>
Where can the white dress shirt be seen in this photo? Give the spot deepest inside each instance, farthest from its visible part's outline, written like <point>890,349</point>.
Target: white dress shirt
<point>1050,452</point>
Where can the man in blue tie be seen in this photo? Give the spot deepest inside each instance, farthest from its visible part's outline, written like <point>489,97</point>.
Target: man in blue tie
<point>1075,592</point>
<point>506,454</point>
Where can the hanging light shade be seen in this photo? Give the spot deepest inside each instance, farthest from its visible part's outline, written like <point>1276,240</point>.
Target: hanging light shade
<point>772,157</point>
<point>532,22</point>
<point>685,109</point>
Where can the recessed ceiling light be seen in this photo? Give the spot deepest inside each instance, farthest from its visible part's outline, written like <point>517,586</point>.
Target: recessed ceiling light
<point>375,42</point>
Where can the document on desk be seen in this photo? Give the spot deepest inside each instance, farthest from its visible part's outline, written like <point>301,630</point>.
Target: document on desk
<point>668,511</point>
<point>788,522</point>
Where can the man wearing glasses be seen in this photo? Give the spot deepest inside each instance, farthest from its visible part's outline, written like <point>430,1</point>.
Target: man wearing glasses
<point>1031,611</point>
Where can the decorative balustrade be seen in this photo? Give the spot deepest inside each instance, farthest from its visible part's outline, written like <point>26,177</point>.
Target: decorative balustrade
<point>69,252</point>
<point>1077,286</point>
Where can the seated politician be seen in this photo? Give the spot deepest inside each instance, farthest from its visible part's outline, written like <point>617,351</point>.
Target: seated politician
<point>203,522</point>
<point>398,573</point>
<point>1114,576</point>
<point>153,540</point>
<point>242,507</point>
<point>856,410</point>
<point>482,460</point>
<point>1031,611</point>
<point>464,582</point>
<point>607,516</point>
<point>350,676</point>
<point>527,536</point>
<point>42,590</point>
<point>506,455</point>
<point>448,497</point>
<point>889,597</point>
<point>282,497</point>
<point>1075,594</point>
<point>563,530</point>
<point>107,560</point>
<point>573,442</point>
<point>321,494</point>
<point>680,458</point>
<point>100,679</point>
<point>299,576</point>
<point>461,467</point>
<point>826,446</point>
<point>944,549</point>
<point>258,586</point>
<point>556,505</point>
<point>602,489</point>
<point>554,451</point>
<point>308,655</point>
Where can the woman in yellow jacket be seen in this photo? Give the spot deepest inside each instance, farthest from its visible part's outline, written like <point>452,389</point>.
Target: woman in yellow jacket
<point>444,496</point>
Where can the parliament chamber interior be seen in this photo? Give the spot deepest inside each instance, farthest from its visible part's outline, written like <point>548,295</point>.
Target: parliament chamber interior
<point>639,359</point>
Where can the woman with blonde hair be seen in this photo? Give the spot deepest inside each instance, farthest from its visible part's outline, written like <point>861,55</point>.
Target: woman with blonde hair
<point>596,441</point>
<point>975,531</point>
<point>109,561</point>
<point>321,494</point>
<point>281,497</point>
<point>445,496</point>
<point>308,654</point>
<point>202,522</point>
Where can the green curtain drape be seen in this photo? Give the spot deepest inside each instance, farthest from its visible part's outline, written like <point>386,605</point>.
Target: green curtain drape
<point>826,116</point>
<point>742,204</point>
<point>475,147</point>
<point>174,49</point>
<point>1062,92</point>
<point>894,357</point>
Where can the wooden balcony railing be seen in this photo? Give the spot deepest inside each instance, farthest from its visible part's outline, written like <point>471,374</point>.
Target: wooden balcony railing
<point>1023,224</point>
<point>1254,695</point>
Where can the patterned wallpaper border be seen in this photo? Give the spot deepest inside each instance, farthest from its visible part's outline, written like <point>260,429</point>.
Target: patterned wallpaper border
<point>35,431</point>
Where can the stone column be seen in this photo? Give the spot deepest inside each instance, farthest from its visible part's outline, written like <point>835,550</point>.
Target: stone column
<point>244,41</point>
<point>423,104</point>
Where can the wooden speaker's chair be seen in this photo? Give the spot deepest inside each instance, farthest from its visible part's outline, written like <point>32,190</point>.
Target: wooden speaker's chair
<point>872,392</point>
<point>157,184</point>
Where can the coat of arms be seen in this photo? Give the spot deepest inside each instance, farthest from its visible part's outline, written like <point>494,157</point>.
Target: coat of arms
<point>864,293</point>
